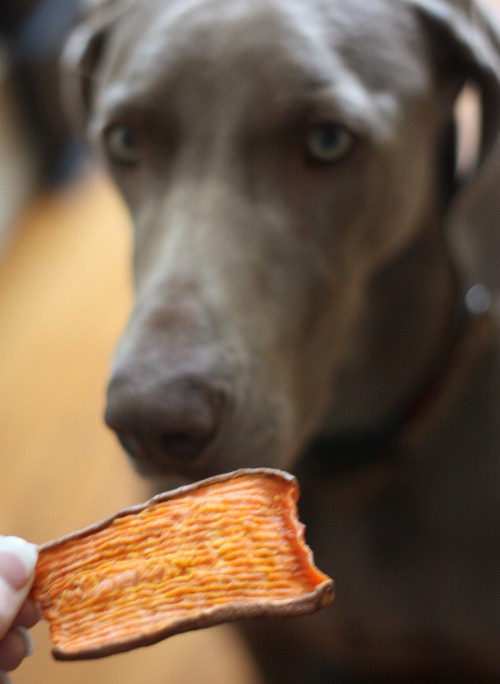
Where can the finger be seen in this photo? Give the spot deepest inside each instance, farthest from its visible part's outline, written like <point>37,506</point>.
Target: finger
<point>29,614</point>
<point>17,563</point>
<point>16,645</point>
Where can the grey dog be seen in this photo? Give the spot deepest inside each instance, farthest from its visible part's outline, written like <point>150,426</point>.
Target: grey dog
<point>291,170</point>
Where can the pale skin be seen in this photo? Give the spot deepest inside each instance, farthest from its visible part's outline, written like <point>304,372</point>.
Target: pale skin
<point>18,612</point>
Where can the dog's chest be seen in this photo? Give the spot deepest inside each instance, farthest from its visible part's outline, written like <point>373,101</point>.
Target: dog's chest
<point>407,588</point>
<point>414,543</point>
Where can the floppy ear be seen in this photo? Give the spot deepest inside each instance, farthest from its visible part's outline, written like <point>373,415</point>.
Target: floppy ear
<point>464,48</point>
<point>83,54</point>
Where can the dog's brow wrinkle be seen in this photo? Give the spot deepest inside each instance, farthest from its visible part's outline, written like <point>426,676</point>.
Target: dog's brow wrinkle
<point>313,84</point>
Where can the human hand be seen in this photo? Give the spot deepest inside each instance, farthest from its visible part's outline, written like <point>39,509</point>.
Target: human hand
<point>17,612</point>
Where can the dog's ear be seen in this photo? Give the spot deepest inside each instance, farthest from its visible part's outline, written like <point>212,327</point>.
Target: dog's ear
<point>464,48</point>
<point>82,56</point>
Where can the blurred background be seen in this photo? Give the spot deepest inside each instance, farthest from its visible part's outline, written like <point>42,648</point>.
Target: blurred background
<point>64,299</point>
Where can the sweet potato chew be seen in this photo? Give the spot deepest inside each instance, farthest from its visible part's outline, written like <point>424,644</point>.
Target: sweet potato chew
<point>226,548</point>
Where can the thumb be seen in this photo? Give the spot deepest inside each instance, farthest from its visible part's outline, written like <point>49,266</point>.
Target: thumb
<point>17,568</point>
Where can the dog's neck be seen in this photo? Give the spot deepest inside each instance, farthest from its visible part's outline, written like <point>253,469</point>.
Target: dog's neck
<point>347,452</point>
<point>414,316</point>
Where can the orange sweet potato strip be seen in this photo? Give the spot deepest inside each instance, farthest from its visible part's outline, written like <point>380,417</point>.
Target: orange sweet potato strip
<point>226,548</point>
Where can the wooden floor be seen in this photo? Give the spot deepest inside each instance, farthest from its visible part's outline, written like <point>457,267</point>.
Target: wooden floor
<point>64,298</point>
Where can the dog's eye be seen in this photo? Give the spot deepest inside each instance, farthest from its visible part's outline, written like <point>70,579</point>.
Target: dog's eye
<point>122,146</point>
<point>329,143</point>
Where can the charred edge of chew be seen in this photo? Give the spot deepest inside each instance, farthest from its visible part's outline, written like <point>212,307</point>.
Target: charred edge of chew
<point>304,605</point>
<point>168,496</point>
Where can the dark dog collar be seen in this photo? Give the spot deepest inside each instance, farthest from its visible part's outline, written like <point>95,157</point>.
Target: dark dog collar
<point>347,453</point>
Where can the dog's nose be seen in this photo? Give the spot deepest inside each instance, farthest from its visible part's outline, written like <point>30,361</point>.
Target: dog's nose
<point>175,421</point>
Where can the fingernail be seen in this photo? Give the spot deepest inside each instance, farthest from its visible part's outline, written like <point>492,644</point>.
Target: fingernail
<point>28,640</point>
<point>4,678</point>
<point>17,561</point>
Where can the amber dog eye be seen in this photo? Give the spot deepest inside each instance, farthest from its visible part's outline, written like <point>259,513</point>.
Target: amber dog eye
<point>329,143</point>
<point>122,145</point>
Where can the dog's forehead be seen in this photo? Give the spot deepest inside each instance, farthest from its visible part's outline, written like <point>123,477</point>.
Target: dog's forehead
<point>284,45</point>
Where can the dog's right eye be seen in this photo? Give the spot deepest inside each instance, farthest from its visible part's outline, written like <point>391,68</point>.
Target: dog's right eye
<point>122,145</point>
<point>328,143</point>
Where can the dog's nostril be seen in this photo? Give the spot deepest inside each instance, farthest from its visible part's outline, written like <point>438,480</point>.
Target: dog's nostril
<point>175,437</point>
<point>130,444</point>
<point>181,446</point>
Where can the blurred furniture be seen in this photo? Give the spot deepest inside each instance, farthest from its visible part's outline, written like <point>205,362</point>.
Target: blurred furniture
<point>18,166</point>
<point>36,143</point>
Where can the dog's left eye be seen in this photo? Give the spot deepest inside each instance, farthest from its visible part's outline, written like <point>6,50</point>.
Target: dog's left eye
<point>122,145</point>
<point>329,143</point>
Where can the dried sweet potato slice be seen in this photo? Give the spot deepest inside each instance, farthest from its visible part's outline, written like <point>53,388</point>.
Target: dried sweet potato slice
<point>226,548</point>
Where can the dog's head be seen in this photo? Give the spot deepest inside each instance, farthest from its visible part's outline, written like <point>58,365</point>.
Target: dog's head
<point>277,157</point>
